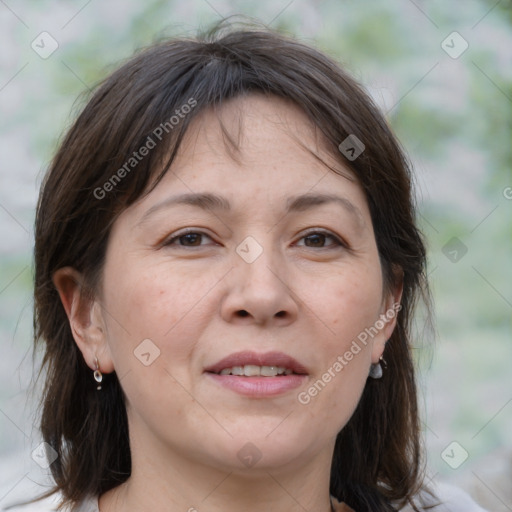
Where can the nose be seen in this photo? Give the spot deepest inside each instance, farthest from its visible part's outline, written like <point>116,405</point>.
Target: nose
<point>260,292</point>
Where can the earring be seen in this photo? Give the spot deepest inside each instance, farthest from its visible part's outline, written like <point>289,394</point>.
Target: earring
<point>98,376</point>
<point>376,369</point>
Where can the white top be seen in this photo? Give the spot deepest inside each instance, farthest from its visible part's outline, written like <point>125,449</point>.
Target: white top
<point>453,500</point>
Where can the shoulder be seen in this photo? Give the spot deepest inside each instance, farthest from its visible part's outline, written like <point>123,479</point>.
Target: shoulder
<point>21,505</point>
<point>448,498</point>
<point>51,504</point>
<point>88,505</point>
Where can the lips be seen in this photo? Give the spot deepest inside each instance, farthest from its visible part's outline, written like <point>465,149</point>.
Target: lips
<point>267,359</point>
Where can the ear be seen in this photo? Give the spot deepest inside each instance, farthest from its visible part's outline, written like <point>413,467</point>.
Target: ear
<point>85,315</point>
<point>388,316</point>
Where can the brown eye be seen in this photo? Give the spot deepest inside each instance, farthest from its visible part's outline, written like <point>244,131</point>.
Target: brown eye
<point>188,239</point>
<point>317,239</point>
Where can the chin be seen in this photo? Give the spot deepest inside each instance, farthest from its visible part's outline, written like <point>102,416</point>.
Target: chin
<point>250,454</point>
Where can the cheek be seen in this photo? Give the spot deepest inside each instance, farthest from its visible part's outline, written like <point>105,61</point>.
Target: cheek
<point>150,302</point>
<point>351,301</point>
<point>147,302</point>
<point>348,303</point>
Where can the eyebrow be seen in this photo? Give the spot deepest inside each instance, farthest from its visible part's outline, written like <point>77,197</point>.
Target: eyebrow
<point>214,202</point>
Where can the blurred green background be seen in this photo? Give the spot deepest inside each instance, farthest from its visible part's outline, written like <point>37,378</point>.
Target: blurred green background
<point>453,114</point>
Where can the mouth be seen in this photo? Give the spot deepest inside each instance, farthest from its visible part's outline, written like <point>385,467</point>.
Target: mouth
<point>258,375</point>
<point>252,370</point>
<point>252,364</point>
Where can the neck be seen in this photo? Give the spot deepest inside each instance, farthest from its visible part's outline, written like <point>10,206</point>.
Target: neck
<point>175,483</point>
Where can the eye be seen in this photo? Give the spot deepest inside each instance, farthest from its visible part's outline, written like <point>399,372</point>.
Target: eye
<point>318,238</point>
<point>188,238</point>
<point>314,239</point>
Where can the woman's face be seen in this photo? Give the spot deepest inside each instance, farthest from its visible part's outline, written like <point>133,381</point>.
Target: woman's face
<point>271,273</point>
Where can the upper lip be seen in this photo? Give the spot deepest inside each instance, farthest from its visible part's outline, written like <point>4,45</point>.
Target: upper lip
<point>265,359</point>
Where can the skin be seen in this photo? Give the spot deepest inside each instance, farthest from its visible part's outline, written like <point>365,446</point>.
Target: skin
<point>199,301</point>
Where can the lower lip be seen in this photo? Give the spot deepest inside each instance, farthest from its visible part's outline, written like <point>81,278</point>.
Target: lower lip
<point>259,386</point>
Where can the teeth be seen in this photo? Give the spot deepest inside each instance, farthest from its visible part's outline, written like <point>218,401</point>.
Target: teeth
<point>252,370</point>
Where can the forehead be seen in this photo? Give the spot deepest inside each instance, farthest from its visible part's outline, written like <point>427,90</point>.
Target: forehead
<point>255,127</point>
<point>256,148</point>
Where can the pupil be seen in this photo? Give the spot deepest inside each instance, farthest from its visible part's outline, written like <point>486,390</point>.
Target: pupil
<point>317,239</point>
<point>195,238</point>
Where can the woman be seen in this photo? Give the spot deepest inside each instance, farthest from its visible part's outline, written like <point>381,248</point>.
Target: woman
<point>226,266</point>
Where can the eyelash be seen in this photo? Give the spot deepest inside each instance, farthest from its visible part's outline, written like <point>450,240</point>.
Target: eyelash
<point>337,241</point>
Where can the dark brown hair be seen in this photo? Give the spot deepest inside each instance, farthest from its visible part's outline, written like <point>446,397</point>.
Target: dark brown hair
<point>376,464</point>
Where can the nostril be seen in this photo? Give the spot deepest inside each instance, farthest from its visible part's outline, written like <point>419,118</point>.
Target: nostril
<point>281,313</point>
<point>243,312</point>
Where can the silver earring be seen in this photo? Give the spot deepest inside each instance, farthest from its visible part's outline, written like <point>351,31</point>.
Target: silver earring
<point>376,369</point>
<point>98,376</point>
